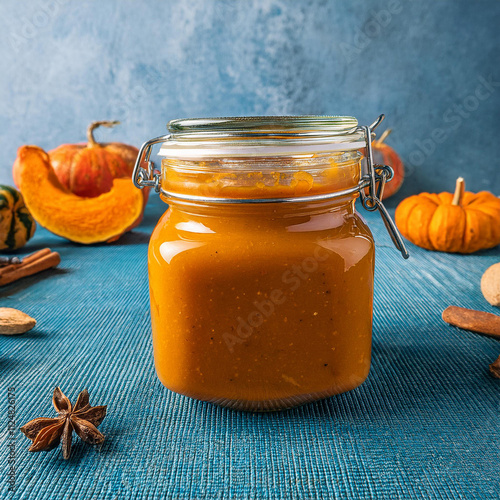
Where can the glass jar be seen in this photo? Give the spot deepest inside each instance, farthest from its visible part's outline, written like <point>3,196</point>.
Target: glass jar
<point>261,270</point>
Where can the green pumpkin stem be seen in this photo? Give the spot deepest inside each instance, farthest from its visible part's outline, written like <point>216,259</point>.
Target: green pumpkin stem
<point>90,131</point>
<point>384,136</point>
<point>459,192</point>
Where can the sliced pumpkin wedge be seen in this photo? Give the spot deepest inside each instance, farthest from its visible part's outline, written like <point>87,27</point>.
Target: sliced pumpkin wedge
<point>79,219</point>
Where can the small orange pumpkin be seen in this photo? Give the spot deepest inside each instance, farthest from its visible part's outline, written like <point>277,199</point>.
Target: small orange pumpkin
<point>383,154</point>
<point>462,222</point>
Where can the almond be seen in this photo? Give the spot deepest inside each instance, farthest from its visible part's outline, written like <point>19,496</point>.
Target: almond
<point>490,284</point>
<point>13,321</point>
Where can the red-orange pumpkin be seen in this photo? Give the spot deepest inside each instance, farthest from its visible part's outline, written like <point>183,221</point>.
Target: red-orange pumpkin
<point>89,169</point>
<point>385,155</point>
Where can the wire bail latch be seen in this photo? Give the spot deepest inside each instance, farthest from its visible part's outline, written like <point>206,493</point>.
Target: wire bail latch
<point>374,180</point>
<point>150,176</point>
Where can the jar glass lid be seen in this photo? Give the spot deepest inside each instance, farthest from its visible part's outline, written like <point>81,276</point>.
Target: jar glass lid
<point>261,135</point>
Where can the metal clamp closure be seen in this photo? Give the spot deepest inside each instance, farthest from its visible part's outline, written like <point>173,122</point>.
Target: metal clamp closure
<point>375,180</point>
<point>150,176</point>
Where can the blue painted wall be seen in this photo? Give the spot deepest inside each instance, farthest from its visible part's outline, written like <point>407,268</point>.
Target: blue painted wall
<point>432,67</point>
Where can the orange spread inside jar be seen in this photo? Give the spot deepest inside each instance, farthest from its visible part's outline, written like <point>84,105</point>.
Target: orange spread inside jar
<point>261,281</point>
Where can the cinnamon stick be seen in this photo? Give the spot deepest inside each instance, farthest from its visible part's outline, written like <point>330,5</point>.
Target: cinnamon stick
<point>475,321</point>
<point>32,266</point>
<point>27,260</point>
<point>495,368</point>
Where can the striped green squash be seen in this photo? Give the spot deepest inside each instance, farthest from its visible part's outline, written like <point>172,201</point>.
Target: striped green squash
<point>17,225</point>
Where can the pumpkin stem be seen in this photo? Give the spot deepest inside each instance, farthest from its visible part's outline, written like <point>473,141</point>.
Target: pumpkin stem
<point>90,131</point>
<point>384,136</point>
<point>459,192</point>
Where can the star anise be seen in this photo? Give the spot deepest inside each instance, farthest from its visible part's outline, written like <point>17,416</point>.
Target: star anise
<point>47,433</point>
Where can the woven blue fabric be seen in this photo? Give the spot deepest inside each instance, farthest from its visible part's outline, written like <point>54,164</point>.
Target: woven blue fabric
<point>426,424</point>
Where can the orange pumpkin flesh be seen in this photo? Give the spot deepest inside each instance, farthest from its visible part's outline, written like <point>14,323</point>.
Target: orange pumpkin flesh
<point>385,155</point>
<point>462,222</point>
<point>80,219</point>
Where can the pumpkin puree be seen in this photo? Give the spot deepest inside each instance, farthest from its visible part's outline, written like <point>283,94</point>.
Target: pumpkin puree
<point>262,306</point>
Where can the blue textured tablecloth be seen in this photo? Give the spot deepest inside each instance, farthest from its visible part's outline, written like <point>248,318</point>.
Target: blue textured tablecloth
<point>426,424</point>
